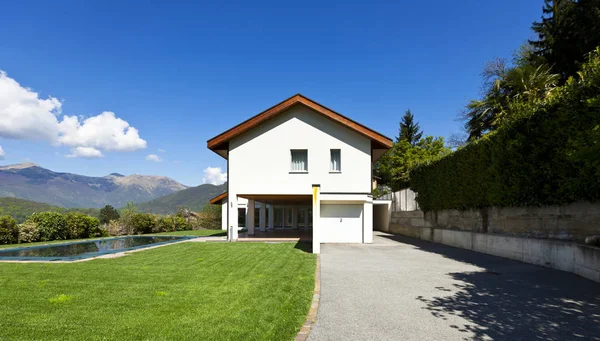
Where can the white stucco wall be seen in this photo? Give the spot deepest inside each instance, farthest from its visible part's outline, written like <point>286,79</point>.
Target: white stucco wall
<point>260,163</point>
<point>259,160</point>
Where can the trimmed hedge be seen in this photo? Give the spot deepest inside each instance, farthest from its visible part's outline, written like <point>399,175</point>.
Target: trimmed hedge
<point>550,155</point>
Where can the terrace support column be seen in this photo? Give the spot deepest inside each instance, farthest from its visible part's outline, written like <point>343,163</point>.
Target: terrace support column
<point>262,217</point>
<point>306,219</point>
<point>271,217</point>
<point>250,217</point>
<point>316,201</point>
<point>294,218</point>
<point>232,233</point>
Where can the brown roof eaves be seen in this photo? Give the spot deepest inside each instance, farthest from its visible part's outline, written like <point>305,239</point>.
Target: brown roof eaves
<point>218,198</point>
<point>218,142</point>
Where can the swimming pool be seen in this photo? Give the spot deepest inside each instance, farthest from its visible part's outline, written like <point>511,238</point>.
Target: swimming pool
<point>86,249</point>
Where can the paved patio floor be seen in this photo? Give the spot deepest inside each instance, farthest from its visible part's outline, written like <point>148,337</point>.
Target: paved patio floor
<point>401,288</point>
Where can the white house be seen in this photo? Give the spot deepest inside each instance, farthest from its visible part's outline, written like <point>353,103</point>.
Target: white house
<point>299,165</point>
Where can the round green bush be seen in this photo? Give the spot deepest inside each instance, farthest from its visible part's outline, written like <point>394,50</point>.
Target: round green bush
<point>9,231</point>
<point>143,223</point>
<point>180,224</point>
<point>52,225</point>
<point>80,225</point>
<point>164,224</point>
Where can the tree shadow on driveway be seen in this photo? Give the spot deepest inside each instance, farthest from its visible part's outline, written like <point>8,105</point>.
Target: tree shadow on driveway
<point>512,300</point>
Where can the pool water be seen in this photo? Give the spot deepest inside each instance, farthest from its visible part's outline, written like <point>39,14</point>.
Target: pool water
<point>86,249</point>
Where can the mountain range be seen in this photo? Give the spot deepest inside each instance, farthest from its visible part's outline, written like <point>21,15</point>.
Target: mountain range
<point>193,198</point>
<point>32,182</point>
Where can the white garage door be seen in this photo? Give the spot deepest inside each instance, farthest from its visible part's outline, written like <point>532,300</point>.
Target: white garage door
<point>341,223</point>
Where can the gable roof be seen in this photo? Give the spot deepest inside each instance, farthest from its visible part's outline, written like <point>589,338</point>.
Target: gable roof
<point>218,198</point>
<point>219,143</point>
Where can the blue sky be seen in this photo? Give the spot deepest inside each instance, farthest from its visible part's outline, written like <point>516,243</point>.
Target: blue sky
<point>182,72</point>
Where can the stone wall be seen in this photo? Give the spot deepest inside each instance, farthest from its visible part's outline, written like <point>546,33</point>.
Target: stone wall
<point>573,222</point>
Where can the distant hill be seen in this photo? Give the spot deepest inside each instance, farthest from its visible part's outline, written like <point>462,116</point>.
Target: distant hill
<point>32,182</point>
<point>20,209</point>
<point>193,198</point>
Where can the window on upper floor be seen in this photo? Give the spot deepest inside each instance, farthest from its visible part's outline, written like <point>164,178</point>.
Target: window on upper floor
<point>299,160</point>
<point>336,160</point>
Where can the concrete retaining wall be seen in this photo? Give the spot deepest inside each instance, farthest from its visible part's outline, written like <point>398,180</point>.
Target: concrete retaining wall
<point>582,260</point>
<point>572,222</point>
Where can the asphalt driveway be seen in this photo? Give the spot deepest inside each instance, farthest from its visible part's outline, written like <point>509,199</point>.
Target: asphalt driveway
<point>400,288</point>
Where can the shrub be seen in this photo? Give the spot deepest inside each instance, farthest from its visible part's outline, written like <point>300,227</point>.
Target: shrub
<point>29,232</point>
<point>550,155</point>
<point>171,223</point>
<point>80,225</point>
<point>52,225</point>
<point>99,231</point>
<point>209,218</point>
<point>115,228</point>
<point>143,223</point>
<point>164,224</point>
<point>9,231</point>
<point>180,224</point>
<point>126,218</point>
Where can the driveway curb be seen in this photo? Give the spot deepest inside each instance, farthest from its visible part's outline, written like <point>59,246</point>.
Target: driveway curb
<point>314,306</point>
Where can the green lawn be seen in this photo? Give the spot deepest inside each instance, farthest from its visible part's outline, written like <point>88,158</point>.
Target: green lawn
<point>187,291</point>
<point>199,233</point>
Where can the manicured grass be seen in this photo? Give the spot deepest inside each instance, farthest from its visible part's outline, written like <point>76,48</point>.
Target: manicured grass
<point>199,233</point>
<point>186,291</point>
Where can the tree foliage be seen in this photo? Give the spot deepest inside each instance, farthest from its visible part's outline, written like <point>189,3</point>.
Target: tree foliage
<point>394,167</point>
<point>504,86</point>
<point>566,33</point>
<point>409,129</point>
<point>127,214</point>
<point>548,154</point>
<point>210,217</point>
<point>108,213</point>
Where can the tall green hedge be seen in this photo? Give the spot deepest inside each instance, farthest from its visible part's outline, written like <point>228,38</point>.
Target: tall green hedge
<point>550,155</point>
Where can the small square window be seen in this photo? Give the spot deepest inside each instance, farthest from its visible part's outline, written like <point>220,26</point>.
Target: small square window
<point>299,160</point>
<point>336,160</point>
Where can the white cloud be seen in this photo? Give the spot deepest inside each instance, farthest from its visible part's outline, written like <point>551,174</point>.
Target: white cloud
<point>214,176</point>
<point>24,115</point>
<point>153,157</point>
<point>1,153</point>
<point>85,152</point>
<point>104,131</point>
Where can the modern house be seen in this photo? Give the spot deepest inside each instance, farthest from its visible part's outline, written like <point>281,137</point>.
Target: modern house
<point>300,166</point>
